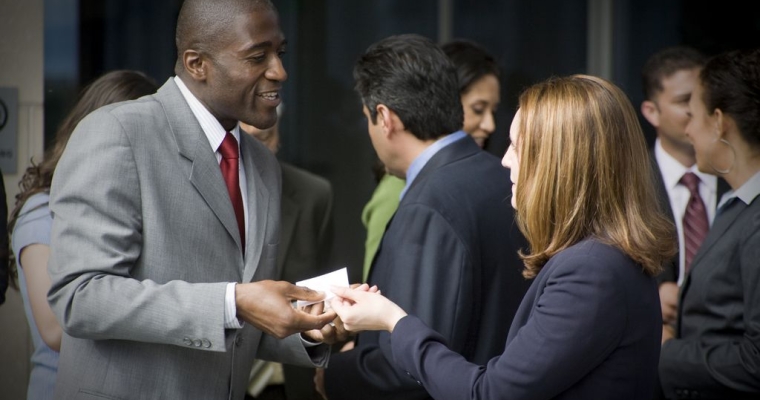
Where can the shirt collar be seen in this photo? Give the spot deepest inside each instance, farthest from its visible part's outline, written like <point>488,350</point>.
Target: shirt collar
<point>746,193</point>
<point>214,131</point>
<point>422,159</point>
<point>672,171</point>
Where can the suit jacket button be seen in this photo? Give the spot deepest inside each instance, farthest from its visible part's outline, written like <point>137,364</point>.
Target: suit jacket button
<point>238,341</point>
<point>197,343</point>
<point>206,343</point>
<point>187,341</point>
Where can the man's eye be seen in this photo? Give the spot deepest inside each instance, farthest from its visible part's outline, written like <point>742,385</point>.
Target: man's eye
<point>258,58</point>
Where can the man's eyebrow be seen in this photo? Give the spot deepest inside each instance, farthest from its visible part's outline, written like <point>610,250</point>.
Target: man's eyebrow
<point>263,45</point>
<point>682,96</point>
<point>258,46</point>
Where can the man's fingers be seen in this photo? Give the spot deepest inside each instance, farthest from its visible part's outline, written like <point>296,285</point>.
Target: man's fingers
<point>317,321</point>
<point>306,294</point>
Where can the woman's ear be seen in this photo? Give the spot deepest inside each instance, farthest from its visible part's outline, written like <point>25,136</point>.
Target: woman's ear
<point>725,126</point>
<point>721,122</point>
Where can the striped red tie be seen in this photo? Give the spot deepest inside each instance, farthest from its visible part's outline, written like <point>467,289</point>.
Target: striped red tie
<point>695,223</point>
<point>229,166</point>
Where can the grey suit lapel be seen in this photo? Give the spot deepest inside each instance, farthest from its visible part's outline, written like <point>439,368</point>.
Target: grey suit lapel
<point>258,208</point>
<point>203,170</point>
<point>722,222</point>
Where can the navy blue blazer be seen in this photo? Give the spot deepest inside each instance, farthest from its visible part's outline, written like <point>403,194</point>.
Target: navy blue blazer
<point>588,328</point>
<point>449,256</point>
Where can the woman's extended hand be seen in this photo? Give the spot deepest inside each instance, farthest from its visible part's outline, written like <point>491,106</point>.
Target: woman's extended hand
<point>365,309</point>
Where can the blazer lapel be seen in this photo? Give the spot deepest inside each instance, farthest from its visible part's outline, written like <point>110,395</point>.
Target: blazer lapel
<point>258,208</point>
<point>202,170</point>
<point>662,191</point>
<point>722,223</point>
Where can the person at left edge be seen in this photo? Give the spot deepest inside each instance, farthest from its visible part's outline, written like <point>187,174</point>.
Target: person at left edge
<point>156,292</point>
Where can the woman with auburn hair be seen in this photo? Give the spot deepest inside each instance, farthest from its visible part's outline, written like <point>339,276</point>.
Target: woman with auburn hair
<point>31,222</point>
<point>589,326</point>
<point>715,351</point>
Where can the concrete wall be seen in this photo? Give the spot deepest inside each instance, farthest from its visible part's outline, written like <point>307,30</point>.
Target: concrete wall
<point>21,66</point>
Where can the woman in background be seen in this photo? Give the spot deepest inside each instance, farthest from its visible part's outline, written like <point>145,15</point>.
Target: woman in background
<point>31,222</point>
<point>479,88</point>
<point>589,326</point>
<point>715,353</point>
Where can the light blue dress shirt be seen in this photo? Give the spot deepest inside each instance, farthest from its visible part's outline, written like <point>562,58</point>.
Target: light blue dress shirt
<point>416,166</point>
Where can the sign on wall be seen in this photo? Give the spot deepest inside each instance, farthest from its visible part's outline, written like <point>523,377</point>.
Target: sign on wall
<point>8,129</point>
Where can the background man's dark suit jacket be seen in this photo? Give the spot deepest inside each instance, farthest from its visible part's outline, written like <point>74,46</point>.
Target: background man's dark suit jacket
<point>305,243</point>
<point>307,226</point>
<point>670,270</point>
<point>449,256</point>
<point>588,329</point>
<point>717,351</point>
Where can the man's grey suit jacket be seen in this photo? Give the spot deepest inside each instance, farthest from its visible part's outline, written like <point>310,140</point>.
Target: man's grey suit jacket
<point>144,243</point>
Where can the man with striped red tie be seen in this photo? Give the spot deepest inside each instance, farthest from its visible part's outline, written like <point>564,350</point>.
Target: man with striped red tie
<point>689,195</point>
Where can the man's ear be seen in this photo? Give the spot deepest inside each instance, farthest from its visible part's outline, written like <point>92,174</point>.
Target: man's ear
<point>650,111</point>
<point>195,64</point>
<point>389,119</point>
<point>384,118</point>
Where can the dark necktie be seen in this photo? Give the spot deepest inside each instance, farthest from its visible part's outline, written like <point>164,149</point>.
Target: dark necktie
<point>229,166</point>
<point>695,223</point>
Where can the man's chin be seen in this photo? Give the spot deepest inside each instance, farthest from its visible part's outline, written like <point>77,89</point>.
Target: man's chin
<point>263,122</point>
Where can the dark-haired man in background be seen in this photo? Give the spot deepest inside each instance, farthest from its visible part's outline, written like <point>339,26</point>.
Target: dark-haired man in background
<point>447,255</point>
<point>668,78</point>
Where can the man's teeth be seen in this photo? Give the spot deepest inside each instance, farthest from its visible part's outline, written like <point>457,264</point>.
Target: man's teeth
<point>269,96</point>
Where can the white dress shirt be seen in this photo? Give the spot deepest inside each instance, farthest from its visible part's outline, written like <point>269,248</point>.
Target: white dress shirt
<point>679,195</point>
<point>215,134</point>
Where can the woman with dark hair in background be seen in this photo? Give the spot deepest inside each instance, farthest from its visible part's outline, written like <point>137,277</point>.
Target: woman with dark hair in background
<point>715,353</point>
<point>31,222</point>
<point>479,89</point>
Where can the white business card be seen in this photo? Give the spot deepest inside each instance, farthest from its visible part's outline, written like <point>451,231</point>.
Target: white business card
<point>322,283</point>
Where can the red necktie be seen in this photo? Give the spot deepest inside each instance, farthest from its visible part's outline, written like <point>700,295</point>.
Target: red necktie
<point>229,165</point>
<point>695,223</point>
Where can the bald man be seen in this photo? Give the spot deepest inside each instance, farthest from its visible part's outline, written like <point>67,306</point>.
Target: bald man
<point>167,223</point>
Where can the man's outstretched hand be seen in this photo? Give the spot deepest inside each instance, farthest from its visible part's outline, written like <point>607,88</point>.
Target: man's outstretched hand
<point>267,305</point>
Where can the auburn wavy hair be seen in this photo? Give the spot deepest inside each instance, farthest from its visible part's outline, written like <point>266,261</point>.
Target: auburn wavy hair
<point>585,172</point>
<point>111,87</point>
